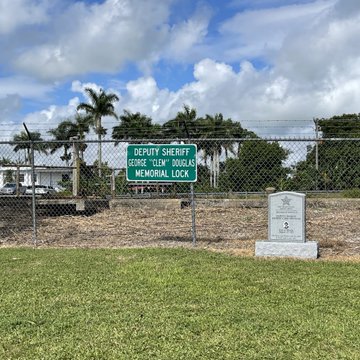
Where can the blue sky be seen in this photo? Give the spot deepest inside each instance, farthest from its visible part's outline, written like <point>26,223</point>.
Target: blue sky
<point>255,61</point>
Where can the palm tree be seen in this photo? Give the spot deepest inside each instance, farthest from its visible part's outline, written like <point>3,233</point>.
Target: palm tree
<point>5,161</point>
<point>210,129</point>
<point>22,141</point>
<point>135,126</point>
<point>216,127</point>
<point>82,125</point>
<point>63,132</point>
<point>184,125</point>
<point>101,104</point>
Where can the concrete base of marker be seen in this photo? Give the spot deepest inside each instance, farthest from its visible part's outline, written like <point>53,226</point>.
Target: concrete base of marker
<point>306,250</point>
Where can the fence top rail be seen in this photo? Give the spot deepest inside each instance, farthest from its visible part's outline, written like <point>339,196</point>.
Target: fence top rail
<point>195,140</point>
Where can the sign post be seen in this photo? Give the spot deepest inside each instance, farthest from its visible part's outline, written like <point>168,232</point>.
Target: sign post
<point>164,163</point>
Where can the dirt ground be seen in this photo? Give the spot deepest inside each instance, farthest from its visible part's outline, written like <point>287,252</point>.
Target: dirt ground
<point>231,230</point>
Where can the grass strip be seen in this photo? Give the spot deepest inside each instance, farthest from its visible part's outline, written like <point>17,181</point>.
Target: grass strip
<point>175,304</point>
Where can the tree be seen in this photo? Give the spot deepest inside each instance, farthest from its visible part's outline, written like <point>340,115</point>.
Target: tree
<point>22,142</point>
<point>9,176</point>
<point>259,165</point>
<point>90,182</point>
<point>101,104</point>
<point>212,134</point>
<point>182,126</point>
<point>135,126</point>
<point>343,126</point>
<point>63,132</point>
<point>82,126</point>
<point>5,161</point>
<point>218,136</point>
<point>333,162</point>
<point>216,128</point>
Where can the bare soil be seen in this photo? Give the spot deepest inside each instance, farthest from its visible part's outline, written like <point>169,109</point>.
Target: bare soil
<point>231,230</point>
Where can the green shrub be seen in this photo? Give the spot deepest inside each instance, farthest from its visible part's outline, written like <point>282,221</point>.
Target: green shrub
<point>351,193</point>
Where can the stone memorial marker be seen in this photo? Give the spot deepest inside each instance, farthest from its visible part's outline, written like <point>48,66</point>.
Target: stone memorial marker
<point>287,228</point>
<point>287,217</point>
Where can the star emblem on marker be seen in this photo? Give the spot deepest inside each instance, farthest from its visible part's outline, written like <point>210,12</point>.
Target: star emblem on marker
<point>286,201</point>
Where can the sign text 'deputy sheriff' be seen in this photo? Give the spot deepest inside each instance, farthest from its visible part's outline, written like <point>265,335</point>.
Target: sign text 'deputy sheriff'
<point>173,163</point>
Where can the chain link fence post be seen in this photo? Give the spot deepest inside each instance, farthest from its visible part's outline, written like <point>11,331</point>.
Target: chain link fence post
<point>33,198</point>
<point>76,167</point>
<point>193,214</point>
<point>317,151</point>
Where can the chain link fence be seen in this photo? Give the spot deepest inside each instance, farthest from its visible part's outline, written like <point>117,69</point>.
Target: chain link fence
<point>51,190</point>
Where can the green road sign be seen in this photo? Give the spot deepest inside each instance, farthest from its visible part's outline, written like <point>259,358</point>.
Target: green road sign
<point>172,163</point>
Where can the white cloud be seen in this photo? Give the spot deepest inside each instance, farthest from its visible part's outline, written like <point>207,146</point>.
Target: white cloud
<point>295,88</point>
<point>313,48</point>
<point>255,33</point>
<point>24,87</point>
<point>105,37</point>
<point>13,91</point>
<point>347,8</point>
<point>17,13</point>
<point>322,65</point>
<point>77,86</point>
<point>9,106</point>
<point>41,121</point>
<point>142,89</point>
<point>143,95</point>
<point>278,89</point>
<point>185,36</point>
<point>50,117</point>
<point>99,38</point>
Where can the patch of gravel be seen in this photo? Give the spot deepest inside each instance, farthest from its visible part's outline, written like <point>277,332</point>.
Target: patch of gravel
<point>231,230</point>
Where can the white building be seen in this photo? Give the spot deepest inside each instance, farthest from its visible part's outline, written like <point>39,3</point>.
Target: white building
<point>43,175</point>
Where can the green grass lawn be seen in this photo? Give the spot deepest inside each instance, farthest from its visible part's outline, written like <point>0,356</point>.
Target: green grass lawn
<point>175,304</point>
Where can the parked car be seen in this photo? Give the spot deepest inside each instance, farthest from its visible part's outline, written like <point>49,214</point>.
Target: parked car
<point>11,189</point>
<point>59,188</point>
<point>41,190</point>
